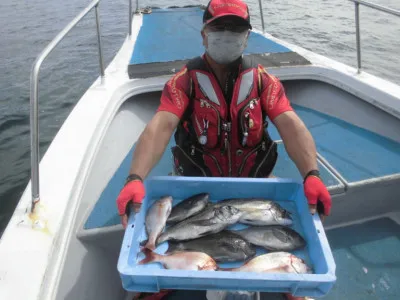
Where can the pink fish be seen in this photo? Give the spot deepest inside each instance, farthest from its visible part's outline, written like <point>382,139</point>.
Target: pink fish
<point>184,260</point>
<point>156,219</point>
<point>275,262</point>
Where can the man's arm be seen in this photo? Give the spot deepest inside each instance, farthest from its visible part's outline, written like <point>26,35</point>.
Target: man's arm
<point>152,143</point>
<point>298,141</point>
<point>300,146</point>
<point>154,139</point>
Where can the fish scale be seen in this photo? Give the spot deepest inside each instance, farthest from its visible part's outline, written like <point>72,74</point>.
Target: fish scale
<point>188,207</point>
<point>258,211</point>
<point>224,246</point>
<point>156,218</point>
<point>219,219</point>
<point>273,238</point>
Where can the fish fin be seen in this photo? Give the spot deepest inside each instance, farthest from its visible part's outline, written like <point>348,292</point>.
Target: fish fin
<point>209,232</point>
<point>280,235</point>
<point>225,269</point>
<point>281,269</point>
<point>172,247</point>
<point>162,238</point>
<point>202,222</point>
<point>150,256</point>
<point>150,243</point>
<point>270,249</point>
<point>150,246</point>
<point>248,221</point>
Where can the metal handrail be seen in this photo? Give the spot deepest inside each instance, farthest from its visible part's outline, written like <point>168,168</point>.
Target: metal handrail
<point>130,18</point>
<point>34,93</point>
<point>357,19</point>
<point>261,15</point>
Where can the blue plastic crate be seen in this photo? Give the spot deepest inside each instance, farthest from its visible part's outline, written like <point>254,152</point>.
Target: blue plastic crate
<point>288,193</point>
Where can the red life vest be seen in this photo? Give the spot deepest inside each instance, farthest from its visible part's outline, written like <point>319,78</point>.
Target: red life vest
<point>217,139</point>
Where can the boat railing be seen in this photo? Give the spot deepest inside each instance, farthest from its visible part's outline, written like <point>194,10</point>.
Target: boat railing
<point>357,19</point>
<point>137,7</point>
<point>130,15</point>
<point>261,15</point>
<point>34,92</point>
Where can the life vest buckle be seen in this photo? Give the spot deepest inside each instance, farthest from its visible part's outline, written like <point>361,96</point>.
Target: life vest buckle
<point>226,126</point>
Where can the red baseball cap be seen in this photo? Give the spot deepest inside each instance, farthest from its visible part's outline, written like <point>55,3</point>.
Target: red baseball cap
<point>220,8</point>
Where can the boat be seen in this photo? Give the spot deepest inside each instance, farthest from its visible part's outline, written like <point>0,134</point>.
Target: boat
<point>64,239</point>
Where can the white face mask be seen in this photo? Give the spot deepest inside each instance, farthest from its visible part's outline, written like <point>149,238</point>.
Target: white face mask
<point>226,46</point>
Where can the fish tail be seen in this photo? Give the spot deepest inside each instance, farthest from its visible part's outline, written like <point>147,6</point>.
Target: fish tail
<point>143,243</point>
<point>150,256</point>
<point>150,244</point>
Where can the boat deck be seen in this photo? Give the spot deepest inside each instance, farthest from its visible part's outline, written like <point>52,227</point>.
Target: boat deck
<point>173,35</point>
<point>367,254</point>
<point>367,259</point>
<point>365,155</point>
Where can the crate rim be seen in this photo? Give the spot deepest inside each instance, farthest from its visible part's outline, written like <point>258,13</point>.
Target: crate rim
<point>222,179</point>
<point>328,277</point>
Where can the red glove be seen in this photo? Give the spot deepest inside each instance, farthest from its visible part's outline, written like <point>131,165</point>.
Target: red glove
<point>315,190</point>
<point>132,191</point>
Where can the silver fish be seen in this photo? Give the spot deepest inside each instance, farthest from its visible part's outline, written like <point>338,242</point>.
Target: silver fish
<point>224,246</point>
<point>156,218</point>
<point>273,238</point>
<point>220,218</point>
<point>188,207</point>
<point>196,261</point>
<point>275,262</point>
<point>259,211</point>
<point>207,213</point>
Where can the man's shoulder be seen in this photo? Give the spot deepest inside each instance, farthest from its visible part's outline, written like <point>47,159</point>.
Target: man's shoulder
<point>193,64</point>
<point>196,63</point>
<point>264,73</point>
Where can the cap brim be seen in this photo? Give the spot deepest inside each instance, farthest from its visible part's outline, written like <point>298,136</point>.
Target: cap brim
<point>245,22</point>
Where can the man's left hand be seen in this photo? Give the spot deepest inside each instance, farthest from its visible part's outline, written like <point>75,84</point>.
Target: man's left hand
<point>315,190</point>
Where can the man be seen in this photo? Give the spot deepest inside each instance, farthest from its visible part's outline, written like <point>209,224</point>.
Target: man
<point>218,104</point>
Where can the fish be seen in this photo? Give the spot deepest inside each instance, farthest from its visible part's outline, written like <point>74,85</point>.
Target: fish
<point>207,213</point>
<point>275,262</point>
<point>156,219</point>
<point>188,207</point>
<point>259,212</point>
<point>224,246</point>
<point>219,219</point>
<point>247,203</point>
<point>273,238</point>
<point>183,260</point>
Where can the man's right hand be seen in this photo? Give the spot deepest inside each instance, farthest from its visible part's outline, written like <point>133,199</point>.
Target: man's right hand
<point>132,191</point>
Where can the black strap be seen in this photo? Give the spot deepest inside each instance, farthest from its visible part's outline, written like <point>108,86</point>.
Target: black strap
<point>197,63</point>
<point>133,177</point>
<point>312,173</point>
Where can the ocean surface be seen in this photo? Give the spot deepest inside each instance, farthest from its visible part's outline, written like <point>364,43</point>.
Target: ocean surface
<point>326,27</point>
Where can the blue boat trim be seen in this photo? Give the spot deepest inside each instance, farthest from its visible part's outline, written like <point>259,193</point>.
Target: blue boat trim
<point>367,260</point>
<point>356,153</point>
<point>165,31</point>
<point>330,135</point>
<point>170,37</point>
